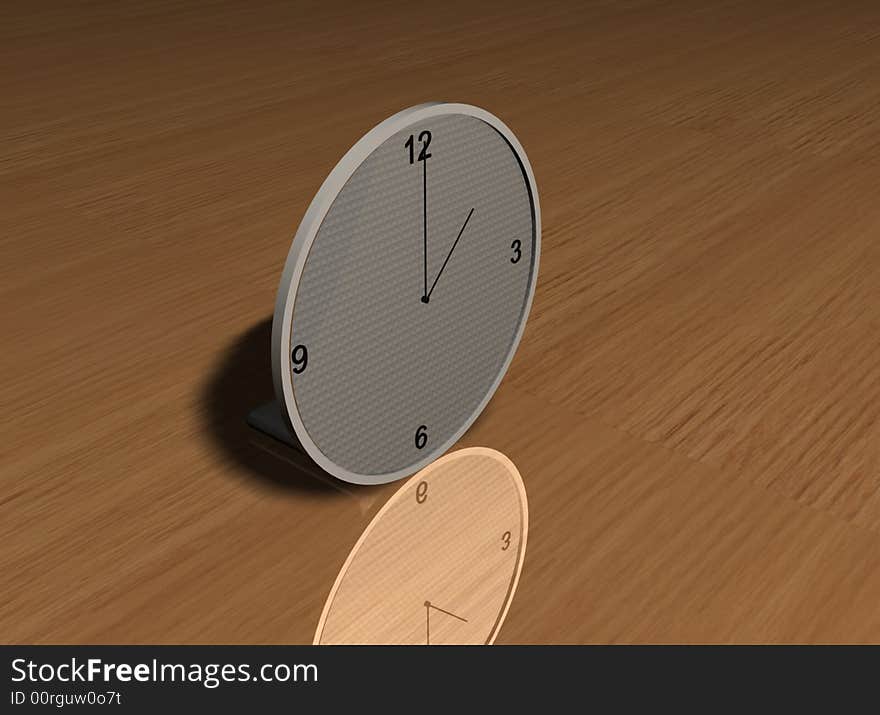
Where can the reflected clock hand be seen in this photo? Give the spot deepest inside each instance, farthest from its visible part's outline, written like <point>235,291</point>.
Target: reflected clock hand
<point>428,607</point>
<point>448,256</point>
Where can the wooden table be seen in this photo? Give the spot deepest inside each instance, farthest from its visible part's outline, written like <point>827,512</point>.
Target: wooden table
<point>695,407</point>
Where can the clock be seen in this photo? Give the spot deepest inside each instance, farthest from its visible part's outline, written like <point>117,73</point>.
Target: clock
<point>440,561</point>
<point>405,292</point>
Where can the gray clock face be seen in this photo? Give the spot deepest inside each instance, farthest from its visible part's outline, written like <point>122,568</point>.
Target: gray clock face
<point>412,296</point>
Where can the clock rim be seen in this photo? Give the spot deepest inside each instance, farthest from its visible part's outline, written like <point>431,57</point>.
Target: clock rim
<point>517,479</point>
<point>298,254</point>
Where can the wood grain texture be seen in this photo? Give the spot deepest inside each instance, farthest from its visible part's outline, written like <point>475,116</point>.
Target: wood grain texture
<point>694,407</point>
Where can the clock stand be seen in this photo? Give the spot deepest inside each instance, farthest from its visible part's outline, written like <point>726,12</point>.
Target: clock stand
<point>267,418</point>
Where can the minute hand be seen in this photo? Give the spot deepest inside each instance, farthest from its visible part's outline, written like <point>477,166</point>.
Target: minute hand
<point>449,255</point>
<point>425,226</point>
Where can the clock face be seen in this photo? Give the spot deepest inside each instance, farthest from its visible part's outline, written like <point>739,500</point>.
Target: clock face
<point>406,291</point>
<point>439,563</point>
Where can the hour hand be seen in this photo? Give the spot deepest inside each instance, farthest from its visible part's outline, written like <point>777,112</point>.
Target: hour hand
<point>448,256</point>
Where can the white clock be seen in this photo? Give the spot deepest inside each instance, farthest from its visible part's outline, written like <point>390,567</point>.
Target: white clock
<point>405,292</point>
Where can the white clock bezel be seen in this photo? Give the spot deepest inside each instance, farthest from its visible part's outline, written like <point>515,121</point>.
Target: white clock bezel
<point>299,251</point>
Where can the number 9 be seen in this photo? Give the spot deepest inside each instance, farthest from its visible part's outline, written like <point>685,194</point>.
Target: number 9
<point>300,358</point>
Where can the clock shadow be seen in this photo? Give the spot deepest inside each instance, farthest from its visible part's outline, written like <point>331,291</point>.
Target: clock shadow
<point>241,380</point>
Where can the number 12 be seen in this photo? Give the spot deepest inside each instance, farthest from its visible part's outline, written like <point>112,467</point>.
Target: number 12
<point>425,139</point>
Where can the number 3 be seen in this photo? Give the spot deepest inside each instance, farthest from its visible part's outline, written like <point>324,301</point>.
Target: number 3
<point>517,251</point>
<point>506,540</point>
